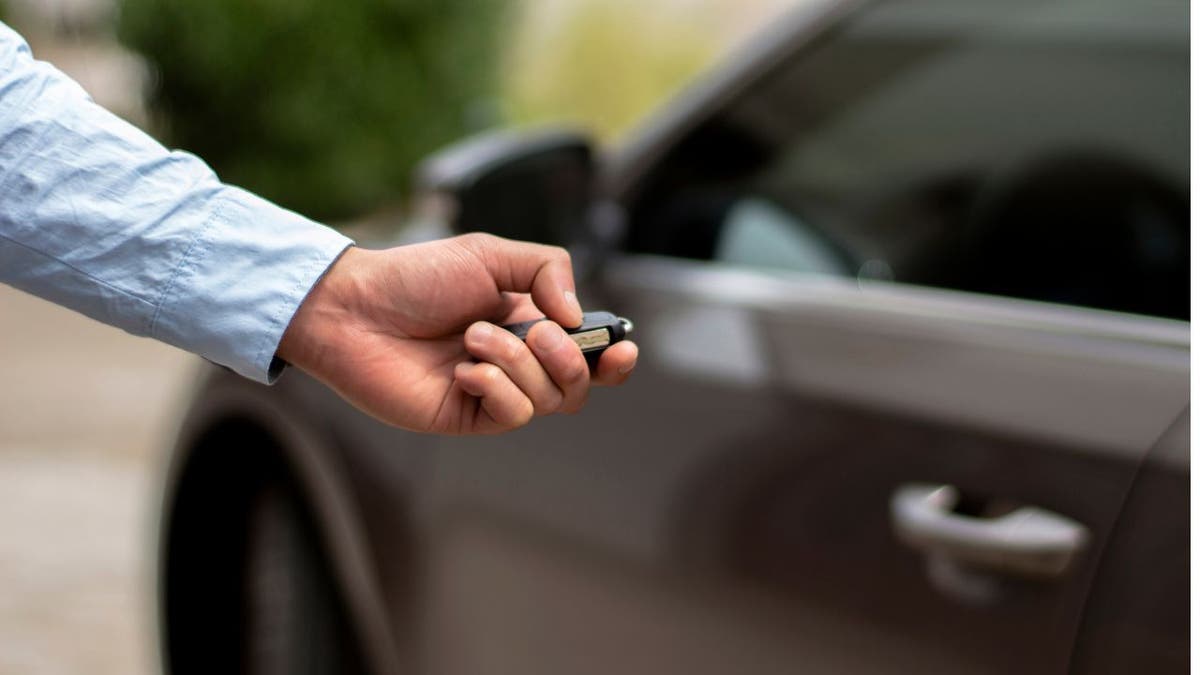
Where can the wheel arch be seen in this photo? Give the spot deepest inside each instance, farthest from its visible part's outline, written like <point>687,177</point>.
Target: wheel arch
<point>229,413</point>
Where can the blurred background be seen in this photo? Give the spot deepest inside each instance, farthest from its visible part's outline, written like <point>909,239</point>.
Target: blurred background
<point>323,107</point>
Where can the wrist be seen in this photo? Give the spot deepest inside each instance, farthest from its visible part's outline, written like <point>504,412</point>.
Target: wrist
<point>323,315</point>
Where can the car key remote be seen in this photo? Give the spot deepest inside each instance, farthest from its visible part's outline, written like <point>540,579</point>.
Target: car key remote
<point>598,332</point>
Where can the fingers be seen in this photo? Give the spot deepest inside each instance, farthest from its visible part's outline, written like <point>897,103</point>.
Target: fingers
<point>496,345</point>
<point>548,368</point>
<point>544,374</point>
<point>616,364</point>
<point>542,271</point>
<point>562,360</point>
<point>508,407</point>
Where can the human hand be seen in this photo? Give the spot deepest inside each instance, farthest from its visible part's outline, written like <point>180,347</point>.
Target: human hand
<point>404,335</point>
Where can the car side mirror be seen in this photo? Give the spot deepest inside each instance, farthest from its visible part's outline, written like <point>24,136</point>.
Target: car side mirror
<point>534,185</point>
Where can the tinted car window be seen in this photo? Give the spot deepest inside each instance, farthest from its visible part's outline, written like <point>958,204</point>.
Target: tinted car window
<point>1031,149</point>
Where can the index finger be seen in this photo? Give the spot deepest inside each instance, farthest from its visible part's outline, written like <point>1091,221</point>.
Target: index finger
<point>542,271</point>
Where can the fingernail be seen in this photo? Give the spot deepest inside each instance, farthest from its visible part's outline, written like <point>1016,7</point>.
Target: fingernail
<point>573,302</point>
<point>627,369</point>
<point>549,338</point>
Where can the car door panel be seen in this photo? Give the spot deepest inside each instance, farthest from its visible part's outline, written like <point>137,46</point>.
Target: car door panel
<point>752,491</point>
<point>1137,617</point>
<point>760,480</point>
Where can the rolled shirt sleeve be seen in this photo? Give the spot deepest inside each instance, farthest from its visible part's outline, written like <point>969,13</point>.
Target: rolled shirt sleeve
<point>97,216</point>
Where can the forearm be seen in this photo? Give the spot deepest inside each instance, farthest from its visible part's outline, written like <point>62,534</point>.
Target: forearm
<point>97,216</point>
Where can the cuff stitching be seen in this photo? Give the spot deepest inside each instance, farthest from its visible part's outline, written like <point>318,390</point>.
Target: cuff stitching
<point>190,255</point>
<point>278,327</point>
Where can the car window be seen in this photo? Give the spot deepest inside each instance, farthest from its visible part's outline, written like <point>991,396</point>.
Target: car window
<point>1032,149</point>
<point>758,232</point>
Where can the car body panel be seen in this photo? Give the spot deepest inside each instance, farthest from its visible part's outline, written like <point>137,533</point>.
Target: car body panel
<point>741,477</point>
<point>1138,615</point>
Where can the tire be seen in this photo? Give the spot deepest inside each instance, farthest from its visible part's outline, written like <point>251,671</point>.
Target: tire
<point>294,620</point>
<point>247,586</point>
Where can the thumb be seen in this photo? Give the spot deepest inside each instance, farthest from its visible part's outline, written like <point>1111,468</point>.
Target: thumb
<point>542,271</point>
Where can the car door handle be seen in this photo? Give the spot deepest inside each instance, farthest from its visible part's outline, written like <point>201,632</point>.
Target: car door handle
<point>1028,542</point>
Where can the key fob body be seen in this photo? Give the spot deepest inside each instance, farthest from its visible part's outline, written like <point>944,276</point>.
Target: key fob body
<point>598,332</point>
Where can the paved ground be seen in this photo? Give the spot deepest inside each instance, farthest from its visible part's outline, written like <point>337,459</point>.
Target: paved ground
<point>84,414</point>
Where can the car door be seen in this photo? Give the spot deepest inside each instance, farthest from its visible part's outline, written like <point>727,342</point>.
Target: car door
<point>800,442</point>
<point>889,402</point>
<point>959,146</point>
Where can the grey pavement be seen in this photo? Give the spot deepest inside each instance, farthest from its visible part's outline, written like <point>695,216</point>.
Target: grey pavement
<point>86,412</point>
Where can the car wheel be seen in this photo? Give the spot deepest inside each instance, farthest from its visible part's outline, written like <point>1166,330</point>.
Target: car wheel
<point>294,620</point>
<point>247,586</point>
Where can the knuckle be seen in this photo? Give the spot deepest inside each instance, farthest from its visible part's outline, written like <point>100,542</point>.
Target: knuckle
<point>513,350</point>
<point>490,373</point>
<point>560,254</point>
<point>576,406</point>
<point>523,413</point>
<point>549,401</point>
<point>475,241</point>
<point>473,237</point>
<point>575,372</point>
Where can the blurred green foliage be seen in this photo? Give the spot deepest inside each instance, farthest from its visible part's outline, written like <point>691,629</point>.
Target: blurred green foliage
<point>320,106</point>
<point>605,64</point>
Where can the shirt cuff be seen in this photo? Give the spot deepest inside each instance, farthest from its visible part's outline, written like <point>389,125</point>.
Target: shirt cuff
<point>243,277</point>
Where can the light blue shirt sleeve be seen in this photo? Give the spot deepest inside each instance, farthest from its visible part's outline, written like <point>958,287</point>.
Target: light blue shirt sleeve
<point>97,216</point>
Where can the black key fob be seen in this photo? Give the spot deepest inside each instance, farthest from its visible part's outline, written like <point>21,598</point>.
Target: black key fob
<point>598,331</point>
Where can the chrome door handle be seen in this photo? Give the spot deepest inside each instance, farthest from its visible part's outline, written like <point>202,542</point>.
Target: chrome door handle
<point>1028,541</point>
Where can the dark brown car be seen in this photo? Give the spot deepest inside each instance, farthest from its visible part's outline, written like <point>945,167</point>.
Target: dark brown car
<point>910,281</point>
